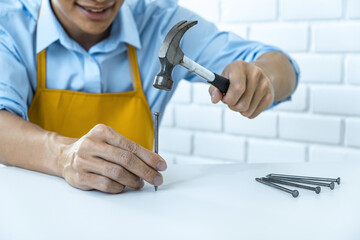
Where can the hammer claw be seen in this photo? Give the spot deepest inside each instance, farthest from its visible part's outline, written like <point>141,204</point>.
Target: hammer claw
<point>170,55</point>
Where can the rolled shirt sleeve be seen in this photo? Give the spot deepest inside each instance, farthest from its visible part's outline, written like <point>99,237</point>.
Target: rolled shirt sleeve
<point>14,82</point>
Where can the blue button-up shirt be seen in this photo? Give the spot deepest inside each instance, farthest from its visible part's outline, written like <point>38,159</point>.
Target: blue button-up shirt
<point>105,67</point>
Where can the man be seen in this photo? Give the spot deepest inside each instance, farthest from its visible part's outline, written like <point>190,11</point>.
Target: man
<point>70,107</point>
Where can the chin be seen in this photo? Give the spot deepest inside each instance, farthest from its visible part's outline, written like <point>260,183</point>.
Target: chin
<point>94,30</point>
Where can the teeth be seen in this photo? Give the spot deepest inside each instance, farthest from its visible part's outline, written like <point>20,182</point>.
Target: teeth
<point>95,10</point>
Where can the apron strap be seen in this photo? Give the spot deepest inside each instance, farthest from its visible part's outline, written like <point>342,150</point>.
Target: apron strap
<point>41,64</point>
<point>41,69</point>
<point>135,68</point>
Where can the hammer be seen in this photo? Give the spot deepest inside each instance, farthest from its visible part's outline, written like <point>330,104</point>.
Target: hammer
<point>170,55</point>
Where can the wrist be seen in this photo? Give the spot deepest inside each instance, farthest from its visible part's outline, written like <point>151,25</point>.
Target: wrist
<point>279,70</point>
<point>61,152</point>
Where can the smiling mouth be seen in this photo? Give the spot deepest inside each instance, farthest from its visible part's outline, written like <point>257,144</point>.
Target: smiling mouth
<point>97,13</point>
<point>95,9</point>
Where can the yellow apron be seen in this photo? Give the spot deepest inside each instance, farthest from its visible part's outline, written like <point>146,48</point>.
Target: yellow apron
<point>73,114</point>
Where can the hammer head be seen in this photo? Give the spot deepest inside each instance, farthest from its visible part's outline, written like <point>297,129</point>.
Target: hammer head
<point>170,54</point>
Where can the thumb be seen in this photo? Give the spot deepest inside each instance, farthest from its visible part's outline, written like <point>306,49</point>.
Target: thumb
<point>215,94</point>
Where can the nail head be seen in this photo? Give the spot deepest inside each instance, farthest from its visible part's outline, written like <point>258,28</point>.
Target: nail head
<point>295,193</point>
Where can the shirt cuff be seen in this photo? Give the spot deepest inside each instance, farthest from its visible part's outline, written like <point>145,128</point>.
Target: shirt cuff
<point>13,107</point>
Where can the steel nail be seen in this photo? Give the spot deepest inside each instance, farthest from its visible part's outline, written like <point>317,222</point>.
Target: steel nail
<point>294,193</point>
<point>156,136</point>
<point>315,189</point>
<point>337,180</point>
<point>329,185</point>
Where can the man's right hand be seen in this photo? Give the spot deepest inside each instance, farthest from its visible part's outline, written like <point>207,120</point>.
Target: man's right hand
<point>107,161</point>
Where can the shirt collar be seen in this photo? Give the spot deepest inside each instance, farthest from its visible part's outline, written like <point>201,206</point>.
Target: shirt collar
<point>46,30</point>
<point>123,30</point>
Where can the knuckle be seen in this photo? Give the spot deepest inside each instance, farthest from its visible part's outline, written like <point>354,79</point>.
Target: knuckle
<point>87,143</point>
<point>109,132</point>
<point>131,146</point>
<point>257,73</point>
<point>102,129</point>
<point>127,158</point>
<point>98,129</point>
<point>106,184</point>
<point>241,63</point>
<point>121,141</point>
<point>243,106</point>
<point>115,172</point>
<point>264,86</point>
<point>134,147</point>
<point>239,88</point>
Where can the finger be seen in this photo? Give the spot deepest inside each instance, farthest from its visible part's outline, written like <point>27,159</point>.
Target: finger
<point>238,84</point>
<point>102,183</point>
<point>133,164</point>
<point>114,172</point>
<point>248,96</point>
<point>258,96</point>
<point>215,94</point>
<point>113,138</point>
<point>263,88</point>
<point>126,159</point>
<point>265,102</point>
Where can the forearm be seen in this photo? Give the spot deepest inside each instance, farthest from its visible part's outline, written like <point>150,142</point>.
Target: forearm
<point>26,145</point>
<point>281,73</point>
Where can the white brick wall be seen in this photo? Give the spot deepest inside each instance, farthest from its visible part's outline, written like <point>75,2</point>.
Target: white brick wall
<point>352,137</point>
<point>310,128</point>
<point>353,8</point>
<point>231,147</point>
<point>234,11</point>
<point>320,68</point>
<point>310,9</point>
<point>337,37</point>
<point>321,123</point>
<point>275,151</point>
<point>262,126</point>
<point>343,100</point>
<point>353,69</point>
<point>290,36</point>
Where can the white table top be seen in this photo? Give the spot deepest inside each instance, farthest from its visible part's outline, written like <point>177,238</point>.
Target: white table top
<point>195,202</point>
